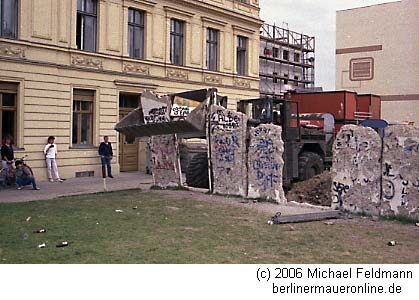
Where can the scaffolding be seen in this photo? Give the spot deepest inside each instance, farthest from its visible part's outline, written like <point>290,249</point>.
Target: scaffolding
<point>287,61</point>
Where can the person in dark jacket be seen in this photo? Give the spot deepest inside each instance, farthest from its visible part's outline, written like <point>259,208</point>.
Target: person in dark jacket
<point>106,155</point>
<point>7,155</point>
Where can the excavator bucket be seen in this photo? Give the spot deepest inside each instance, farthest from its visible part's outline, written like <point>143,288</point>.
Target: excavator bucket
<point>184,114</point>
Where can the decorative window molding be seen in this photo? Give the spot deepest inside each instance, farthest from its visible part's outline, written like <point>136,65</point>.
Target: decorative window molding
<point>176,11</point>
<point>84,61</point>
<point>135,68</point>
<point>210,21</point>
<point>242,83</point>
<point>208,78</point>
<point>148,3</point>
<point>242,30</point>
<point>8,50</point>
<point>177,74</point>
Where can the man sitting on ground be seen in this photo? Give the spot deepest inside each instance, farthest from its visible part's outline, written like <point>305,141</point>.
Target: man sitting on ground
<point>24,176</point>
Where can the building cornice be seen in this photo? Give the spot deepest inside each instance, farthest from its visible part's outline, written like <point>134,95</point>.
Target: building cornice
<point>242,16</point>
<point>213,21</point>
<point>143,2</point>
<point>172,73</point>
<point>176,10</point>
<point>243,29</point>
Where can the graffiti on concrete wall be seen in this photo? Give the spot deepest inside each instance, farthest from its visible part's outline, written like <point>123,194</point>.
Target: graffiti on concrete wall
<point>228,151</point>
<point>182,107</point>
<point>400,173</point>
<point>165,160</point>
<point>382,174</point>
<point>338,192</point>
<point>155,109</point>
<point>226,119</point>
<point>156,115</point>
<point>356,159</point>
<point>265,163</point>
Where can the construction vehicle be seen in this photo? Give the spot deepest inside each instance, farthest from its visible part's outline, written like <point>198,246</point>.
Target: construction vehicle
<point>308,138</point>
<point>307,146</point>
<point>345,106</point>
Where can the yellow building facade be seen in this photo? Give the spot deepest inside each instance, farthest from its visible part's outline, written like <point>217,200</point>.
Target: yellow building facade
<point>73,68</point>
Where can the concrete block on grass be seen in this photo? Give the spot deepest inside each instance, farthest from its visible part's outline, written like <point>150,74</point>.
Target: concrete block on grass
<point>265,163</point>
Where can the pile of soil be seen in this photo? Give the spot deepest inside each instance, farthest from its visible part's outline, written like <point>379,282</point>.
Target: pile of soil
<point>316,190</point>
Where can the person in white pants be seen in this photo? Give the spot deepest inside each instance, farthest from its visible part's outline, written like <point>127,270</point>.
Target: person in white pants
<point>50,152</point>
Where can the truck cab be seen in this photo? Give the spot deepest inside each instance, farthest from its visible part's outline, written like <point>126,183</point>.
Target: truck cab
<point>307,139</point>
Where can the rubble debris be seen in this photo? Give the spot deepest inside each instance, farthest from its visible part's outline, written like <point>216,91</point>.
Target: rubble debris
<point>173,208</point>
<point>62,244</point>
<point>265,163</point>
<point>275,218</point>
<point>315,191</point>
<point>41,245</point>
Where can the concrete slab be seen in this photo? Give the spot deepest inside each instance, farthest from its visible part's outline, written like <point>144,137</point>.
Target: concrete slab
<point>309,217</point>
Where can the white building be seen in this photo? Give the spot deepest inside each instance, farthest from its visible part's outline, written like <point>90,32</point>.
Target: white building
<point>377,52</point>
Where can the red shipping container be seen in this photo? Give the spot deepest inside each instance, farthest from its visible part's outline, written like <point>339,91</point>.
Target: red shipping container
<point>341,104</point>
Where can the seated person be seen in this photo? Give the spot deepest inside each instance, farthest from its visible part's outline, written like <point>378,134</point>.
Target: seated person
<point>24,176</point>
<point>7,155</point>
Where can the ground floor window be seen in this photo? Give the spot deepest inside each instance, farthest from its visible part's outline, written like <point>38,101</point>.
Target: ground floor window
<point>8,110</point>
<point>83,117</point>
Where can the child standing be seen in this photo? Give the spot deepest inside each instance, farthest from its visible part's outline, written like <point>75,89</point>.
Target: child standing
<point>50,152</point>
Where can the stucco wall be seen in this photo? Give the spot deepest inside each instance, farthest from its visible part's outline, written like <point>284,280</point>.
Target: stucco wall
<point>395,28</point>
<point>48,67</point>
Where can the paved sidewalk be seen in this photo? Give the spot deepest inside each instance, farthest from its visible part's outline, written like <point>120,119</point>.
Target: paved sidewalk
<point>77,186</point>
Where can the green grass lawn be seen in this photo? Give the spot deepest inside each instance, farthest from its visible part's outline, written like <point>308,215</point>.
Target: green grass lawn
<point>168,230</point>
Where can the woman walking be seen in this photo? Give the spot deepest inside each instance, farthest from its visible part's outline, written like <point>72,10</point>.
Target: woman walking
<point>50,152</point>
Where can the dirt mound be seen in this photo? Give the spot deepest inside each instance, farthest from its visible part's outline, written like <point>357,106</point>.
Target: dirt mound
<point>315,191</point>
